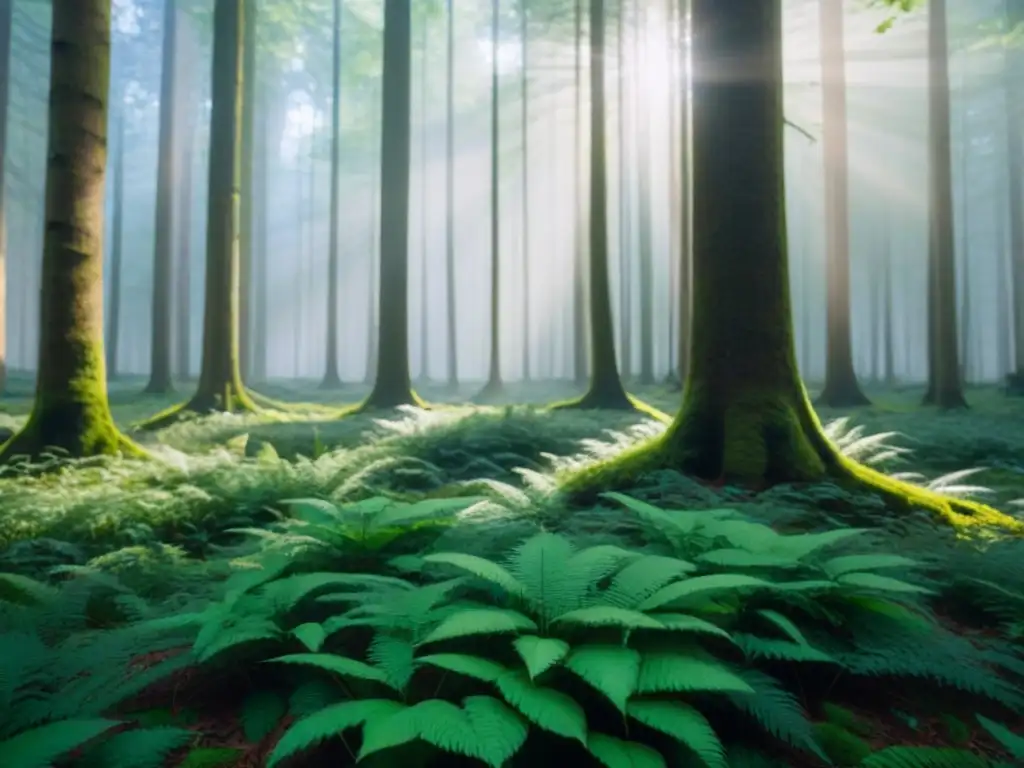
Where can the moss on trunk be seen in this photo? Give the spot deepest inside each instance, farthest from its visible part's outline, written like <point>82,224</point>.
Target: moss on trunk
<point>71,411</point>
<point>745,418</point>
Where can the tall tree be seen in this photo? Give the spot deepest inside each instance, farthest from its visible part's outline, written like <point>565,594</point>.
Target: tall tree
<point>646,222</point>
<point>392,386</point>
<point>220,385</point>
<point>605,388</point>
<point>247,137</point>
<point>71,410</point>
<point>163,254</point>
<point>449,197</point>
<point>1013,77</point>
<point>579,276</point>
<point>332,379</point>
<point>745,417</point>
<point>6,22</point>
<point>841,388</point>
<point>113,330</point>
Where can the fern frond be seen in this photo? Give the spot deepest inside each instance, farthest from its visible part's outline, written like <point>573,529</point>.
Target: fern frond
<point>539,653</point>
<point>776,710</point>
<point>39,747</point>
<point>612,670</point>
<point>684,724</point>
<point>339,665</point>
<point>329,722</point>
<point>546,708</point>
<point>923,757</point>
<point>616,753</point>
<point>480,621</point>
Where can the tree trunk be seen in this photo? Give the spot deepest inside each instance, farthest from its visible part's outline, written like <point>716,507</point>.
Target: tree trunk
<point>686,212</point>
<point>424,249</point>
<point>186,158</point>
<point>944,384</point>
<point>6,20</point>
<point>1013,77</point>
<point>494,384</point>
<point>392,386</point>
<point>260,247</point>
<point>525,122</point>
<point>71,410</point>
<point>449,196</point>
<point>625,234</point>
<point>888,366</point>
<point>579,277</point>
<point>745,417</point>
<point>841,388</point>
<point>113,337</point>
<point>373,319</point>
<point>160,380</point>
<point>605,389</point>
<point>644,116</point>
<point>332,379</point>
<point>245,225</point>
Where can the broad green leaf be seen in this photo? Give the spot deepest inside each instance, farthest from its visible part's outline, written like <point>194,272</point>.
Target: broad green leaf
<point>311,635</point>
<point>40,747</point>
<point>610,616</point>
<point>667,671</point>
<point>683,622</point>
<point>544,707</point>
<point>461,663</point>
<point>837,566</point>
<point>881,583</point>
<point>340,665</point>
<point>743,558</point>
<point>480,621</point>
<point>616,753</point>
<point>791,630</point>
<point>718,582</point>
<point>328,722</point>
<point>669,523</point>
<point>539,653</point>
<point>480,567</point>
<point>1013,743</point>
<point>683,723</point>
<point>613,670</point>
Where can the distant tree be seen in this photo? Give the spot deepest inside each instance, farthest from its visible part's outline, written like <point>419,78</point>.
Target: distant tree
<point>745,417</point>
<point>449,197</point>
<point>332,378</point>
<point>1013,74</point>
<point>70,410</point>
<point>6,21</point>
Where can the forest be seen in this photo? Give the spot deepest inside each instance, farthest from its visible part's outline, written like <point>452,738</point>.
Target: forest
<point>422,384</point>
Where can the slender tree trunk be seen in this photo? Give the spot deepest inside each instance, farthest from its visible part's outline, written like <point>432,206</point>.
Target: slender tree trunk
<point>1004,297</point>
<point>160,379</point>
<point>449,196</point>
<point>392,386</point>
<point>525,121</point>
<point>1013,77</point>
<point>965,241</point>
<point>373,320</point>
<point>494,383</point>
<point>579,279</point>
<point>841,388</point>
<point>183,288</point>
<point>944,385</point>
<point>644,116</point>
<point>6,21</point>
<point>332,379</point>
<point>113,340</point>
<point>424,249</point>
<point>625,232</point>
<point>245,226</point>
<point>71,410</point>
<point>260,247</point>
<point>888,367</point>
<point>686,191</point>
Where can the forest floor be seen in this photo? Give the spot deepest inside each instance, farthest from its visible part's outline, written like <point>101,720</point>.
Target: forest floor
<point>799,649</point>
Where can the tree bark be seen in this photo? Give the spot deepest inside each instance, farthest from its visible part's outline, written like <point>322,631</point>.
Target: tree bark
<point>644,115</point>
<point>841,389</point>
<point>332,378</point>
<point>392,386</point>
<point>579,277</point>
<point>449,196</point>
<point>71,410</point>
<point>1013,75</point>
<point>6,21</point>
<point>245,225</point>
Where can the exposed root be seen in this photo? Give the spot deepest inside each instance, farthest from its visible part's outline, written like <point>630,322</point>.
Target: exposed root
<point>202,404</point>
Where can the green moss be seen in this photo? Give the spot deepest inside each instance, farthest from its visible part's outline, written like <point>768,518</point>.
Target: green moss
<point>842,747</point>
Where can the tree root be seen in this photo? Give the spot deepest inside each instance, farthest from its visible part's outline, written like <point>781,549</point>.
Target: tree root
<point>201,404</point>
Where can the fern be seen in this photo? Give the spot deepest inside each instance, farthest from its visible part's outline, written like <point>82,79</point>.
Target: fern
<point>41,746</point>
<point>923,757</point>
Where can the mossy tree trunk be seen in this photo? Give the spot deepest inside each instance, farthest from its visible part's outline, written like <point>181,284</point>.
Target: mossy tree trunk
<point>449,196</point>
<point>332,378</point>
<point>944,383</point>
<point>392,386</point>
<point>493,387</point>
<point>841,388</point>
<point>745,417</point>
<point>6,21</point>
<point>160,381</point>
<point>113,329</point>
<point>71,410</point>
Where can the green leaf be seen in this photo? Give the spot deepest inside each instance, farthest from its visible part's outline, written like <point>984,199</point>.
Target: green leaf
<point>684,622</point>
<point>138,748</point>
<point>41,746</point>
<point>546,708</point>
<point>210,757</point>
<point>313,511</point>
<point>610,616</point>
<point>425,510</point>
<point>328,722</point>
<point>464,664</point>
<point>837,566</point>
<point>481,568</point>
<point>539,653</point>
<point>718,582</point>
<point>643,577</point>
<point>669,671</point>
<point>742,558</point>
<point>783,623</point>
<point>613,670</point>
<point>616,753</point>
<point>1013,743</point>
<point>21,590</point>
<point>261,712</point>
<point>666,522</point>
<point>683,723</point>
<point>340,665</point>
<point>311,635</point>
<point>923,757</point>
<point>881,583</point>
<point>479,621</point>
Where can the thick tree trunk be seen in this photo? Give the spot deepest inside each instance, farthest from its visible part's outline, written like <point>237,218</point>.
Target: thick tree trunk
<point>6,19</point>
<point>841,388</point>
<point>332,378</point>
<point>160,381</point>
<point>245,225</point>
<point>944,384</point>
<point>449,196</point>
<point>71,410</point>
<point>392,386</point>
<point>113,331</point>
